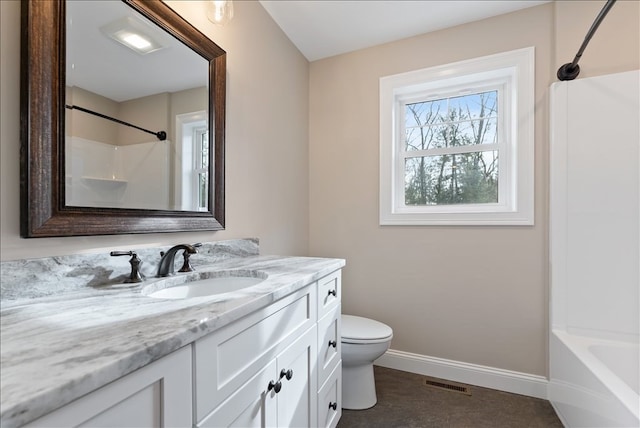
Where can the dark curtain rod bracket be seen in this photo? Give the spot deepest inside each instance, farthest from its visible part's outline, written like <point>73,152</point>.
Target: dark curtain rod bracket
<point>161,135</point>
<point>570,70</point>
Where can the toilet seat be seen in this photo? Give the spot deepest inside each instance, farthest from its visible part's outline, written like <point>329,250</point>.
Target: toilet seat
<point>364,330</point>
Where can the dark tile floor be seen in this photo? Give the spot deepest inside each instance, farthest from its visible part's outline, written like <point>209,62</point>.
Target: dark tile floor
<point>405,402</point>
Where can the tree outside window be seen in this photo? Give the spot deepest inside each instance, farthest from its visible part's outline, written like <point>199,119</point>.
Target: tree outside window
<point>457,176</point>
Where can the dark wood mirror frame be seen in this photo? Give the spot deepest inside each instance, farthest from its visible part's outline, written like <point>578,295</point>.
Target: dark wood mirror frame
<point>42,131</point>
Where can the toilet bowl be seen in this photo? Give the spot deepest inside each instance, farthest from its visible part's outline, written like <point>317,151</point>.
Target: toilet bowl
<point>363,341</point>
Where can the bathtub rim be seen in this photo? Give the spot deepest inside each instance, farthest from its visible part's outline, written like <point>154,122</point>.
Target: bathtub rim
<point>579,346</point>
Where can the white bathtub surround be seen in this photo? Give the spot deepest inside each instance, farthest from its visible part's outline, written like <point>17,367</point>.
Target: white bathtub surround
<point>71,341</point>
<point>595,250</point>
<point>108,175</point>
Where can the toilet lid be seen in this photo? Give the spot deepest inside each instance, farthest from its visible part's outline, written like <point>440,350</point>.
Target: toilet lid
<point>359,329</point>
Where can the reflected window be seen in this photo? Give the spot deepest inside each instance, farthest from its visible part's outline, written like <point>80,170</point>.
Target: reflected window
<point>201,167</point>
<point>192,162</point>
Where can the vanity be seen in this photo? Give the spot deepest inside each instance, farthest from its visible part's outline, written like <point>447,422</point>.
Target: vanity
<point>83,347</point>
<point>109,355</point>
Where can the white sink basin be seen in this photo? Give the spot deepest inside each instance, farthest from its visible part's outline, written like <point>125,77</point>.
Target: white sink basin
<point>203,284</point>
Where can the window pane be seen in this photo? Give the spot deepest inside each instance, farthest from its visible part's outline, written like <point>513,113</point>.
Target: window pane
<point>428,137</point>
<point>425,113</point>
<point>467,178</point>
<point>473,106</point>
<point>203,189</point>
<point>479,131</point>
<point>204,143</point>
<point>452,122</point>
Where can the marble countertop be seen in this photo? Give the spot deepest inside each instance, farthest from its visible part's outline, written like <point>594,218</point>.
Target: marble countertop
<point>58,347</point>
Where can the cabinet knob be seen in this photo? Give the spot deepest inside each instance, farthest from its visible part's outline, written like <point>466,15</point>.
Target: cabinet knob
<point>333,293</point>
<point>286,373</point>
<point>333,406</point>
<point>333,343</point>
<point>276,386</point>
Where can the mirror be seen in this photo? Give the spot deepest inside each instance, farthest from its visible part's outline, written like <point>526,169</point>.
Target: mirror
<point>136,113</point>
<point>114,140</point>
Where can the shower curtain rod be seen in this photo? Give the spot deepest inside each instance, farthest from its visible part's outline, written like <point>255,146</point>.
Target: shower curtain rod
<point>160,134</point>
<point>570,70</point>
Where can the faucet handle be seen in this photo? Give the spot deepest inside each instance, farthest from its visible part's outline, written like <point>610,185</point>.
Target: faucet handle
<point>186,265</point>
<point>135,262</point>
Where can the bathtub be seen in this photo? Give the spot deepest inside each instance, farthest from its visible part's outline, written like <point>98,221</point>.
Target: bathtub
<point>594,382</point>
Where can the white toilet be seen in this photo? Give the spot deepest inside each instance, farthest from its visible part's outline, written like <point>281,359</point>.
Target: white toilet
<point>363,341</point>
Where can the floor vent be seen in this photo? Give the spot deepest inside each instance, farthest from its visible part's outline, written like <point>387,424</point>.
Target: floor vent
<point>447,385</point>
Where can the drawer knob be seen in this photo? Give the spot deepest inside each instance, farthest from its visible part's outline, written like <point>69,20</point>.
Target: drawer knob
<point>276,386</point>
<point>333,406</point>
<point>286,373</point>
<point>333,293</point>
<point>333,343</point>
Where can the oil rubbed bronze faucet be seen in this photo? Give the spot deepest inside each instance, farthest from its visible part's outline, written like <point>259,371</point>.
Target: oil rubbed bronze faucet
<point>165,267</point>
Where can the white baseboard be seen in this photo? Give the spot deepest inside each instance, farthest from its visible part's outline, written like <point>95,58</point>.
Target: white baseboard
<point>473,374</point>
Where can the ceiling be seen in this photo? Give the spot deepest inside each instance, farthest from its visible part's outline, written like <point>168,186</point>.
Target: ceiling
<point>100,65</point>
<point>319,28</point>
<point>324,28</point>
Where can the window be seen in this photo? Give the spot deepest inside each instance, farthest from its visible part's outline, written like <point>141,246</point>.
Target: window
<point>201,167</point>
<point>456,143</point>
<point>191,182</point>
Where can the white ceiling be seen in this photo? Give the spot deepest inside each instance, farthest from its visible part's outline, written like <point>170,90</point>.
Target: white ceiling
<point>99,64</point>
<point>319,28</point>
<point>324,28</point>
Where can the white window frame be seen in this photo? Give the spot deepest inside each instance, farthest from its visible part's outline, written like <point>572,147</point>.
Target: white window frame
<point>185,184</point>
<point>512,74</point>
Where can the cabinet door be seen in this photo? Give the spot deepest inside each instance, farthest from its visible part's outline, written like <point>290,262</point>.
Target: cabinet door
<point>292,404</point>
<point>227,358</point>
<point>250,406</point>
<point>157,395</point>
<point>297,399</point>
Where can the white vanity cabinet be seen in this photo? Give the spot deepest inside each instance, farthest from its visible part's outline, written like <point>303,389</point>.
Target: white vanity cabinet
<point>279,366</point>
<point>227,359</point>
<point>157,395</point>
<point>329,351</point>
<point>257,404</point>
<point>241,370</point>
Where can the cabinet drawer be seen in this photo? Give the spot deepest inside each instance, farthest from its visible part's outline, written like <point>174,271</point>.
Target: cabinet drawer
<point>330,396</point>
<point>227,358</point>
<point>328,336</point>
<point>329,293</point>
